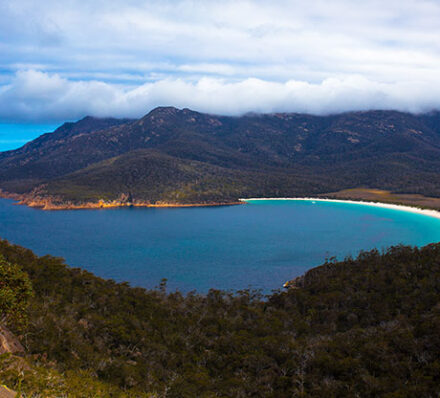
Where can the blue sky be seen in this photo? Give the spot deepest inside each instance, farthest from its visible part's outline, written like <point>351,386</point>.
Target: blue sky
<point>15,135</point>
<point>64,59</point>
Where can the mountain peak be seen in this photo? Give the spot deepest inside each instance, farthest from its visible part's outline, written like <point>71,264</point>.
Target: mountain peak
<point>163,111</point>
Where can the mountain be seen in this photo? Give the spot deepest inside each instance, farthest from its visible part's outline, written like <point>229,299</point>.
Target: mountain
<point>181,156</point>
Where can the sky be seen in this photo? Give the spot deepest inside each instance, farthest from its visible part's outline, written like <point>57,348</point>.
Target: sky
<point>64,59</point>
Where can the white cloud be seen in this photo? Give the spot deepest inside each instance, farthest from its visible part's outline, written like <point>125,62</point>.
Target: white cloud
<point>67,58</point>
<point>42,96</point>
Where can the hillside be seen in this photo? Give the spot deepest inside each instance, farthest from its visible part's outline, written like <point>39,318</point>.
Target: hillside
<point>364,327</point>
<point>182,156</point>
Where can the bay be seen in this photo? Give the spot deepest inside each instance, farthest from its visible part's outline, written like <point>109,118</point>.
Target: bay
<point>259,245</point>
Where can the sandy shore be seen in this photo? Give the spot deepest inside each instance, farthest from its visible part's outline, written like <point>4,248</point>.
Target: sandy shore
<point>410,209</point>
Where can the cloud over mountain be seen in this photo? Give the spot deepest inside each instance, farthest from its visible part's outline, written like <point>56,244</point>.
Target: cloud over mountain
<point>64,59</point>
<point>34,95</point>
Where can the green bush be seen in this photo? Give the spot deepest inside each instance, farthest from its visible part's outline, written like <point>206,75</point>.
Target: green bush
<point>15,292</point>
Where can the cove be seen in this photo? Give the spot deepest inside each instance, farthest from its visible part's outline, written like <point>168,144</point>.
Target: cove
<point>260,244</point>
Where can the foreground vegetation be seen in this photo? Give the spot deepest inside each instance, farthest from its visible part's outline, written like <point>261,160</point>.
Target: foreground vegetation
<point>363,327</point>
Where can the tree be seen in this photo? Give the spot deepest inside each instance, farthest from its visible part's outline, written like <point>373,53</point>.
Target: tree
<point>15,292</point>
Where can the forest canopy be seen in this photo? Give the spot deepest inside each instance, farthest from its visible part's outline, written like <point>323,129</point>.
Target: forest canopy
<point>360,327</point>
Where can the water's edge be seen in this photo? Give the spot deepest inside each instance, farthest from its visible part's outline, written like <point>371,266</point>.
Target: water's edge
<point>410,209</point>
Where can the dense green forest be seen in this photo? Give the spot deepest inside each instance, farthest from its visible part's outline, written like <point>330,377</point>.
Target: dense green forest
<point>363,327</point>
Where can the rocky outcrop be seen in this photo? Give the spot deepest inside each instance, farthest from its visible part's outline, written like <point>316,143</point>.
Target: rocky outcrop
<point>296,283</point>
<point>9,342</point>
<point>6,392</point>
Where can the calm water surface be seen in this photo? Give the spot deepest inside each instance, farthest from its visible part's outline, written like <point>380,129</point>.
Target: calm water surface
<point>259,245</point>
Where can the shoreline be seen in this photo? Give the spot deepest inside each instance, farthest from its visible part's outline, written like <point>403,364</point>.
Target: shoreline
<point>407,208</point>
<point>47,204</point>
<point>97,206</point>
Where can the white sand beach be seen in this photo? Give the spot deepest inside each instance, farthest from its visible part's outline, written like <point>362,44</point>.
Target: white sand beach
<point>411,209</point>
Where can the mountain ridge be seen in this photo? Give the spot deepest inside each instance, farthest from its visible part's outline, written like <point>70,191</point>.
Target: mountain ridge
<point>182,156</point>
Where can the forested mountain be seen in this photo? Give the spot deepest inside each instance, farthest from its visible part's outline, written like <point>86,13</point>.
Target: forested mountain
<point>182,156</point>
<point>364,327</point>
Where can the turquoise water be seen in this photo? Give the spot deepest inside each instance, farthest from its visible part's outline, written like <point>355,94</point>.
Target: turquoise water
<point>259,245</point>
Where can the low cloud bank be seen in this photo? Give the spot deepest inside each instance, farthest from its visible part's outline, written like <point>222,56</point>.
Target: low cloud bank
<point>36,96</point>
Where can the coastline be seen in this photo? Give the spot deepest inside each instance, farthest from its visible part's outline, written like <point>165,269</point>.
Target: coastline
<point>55,203</point>
<point>42,203</point>
<point>98,206</point>
<point>410,209</point>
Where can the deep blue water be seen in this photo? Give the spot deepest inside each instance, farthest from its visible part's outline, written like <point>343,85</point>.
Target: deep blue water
<point>234,247</point>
